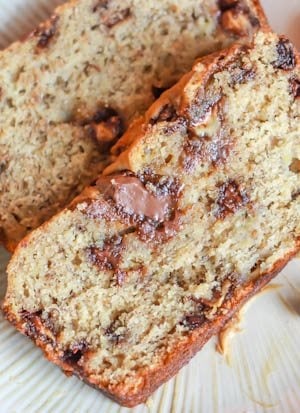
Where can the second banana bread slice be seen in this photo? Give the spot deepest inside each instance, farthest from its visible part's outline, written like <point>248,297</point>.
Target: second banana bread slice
<point>68,92</point>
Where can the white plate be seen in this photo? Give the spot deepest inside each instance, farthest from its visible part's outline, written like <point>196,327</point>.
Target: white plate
<point>264,370</point>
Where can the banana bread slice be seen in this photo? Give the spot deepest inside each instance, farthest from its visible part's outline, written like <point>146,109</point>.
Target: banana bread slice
<point>68,92</point>
<point>125,285</point>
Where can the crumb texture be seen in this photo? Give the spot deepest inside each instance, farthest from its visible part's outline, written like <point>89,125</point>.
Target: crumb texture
<point>121,285</point>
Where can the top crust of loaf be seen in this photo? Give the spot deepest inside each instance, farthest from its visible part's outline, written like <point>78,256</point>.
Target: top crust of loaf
<point>70,89</point>
<point>229,203</point>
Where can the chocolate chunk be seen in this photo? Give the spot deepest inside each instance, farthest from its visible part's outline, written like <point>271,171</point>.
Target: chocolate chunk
<point>295,87</point>
<point>148,203</point>
<point>116,332</point>
<point>159,232</point>
<point>295,166</point>
<point>203,105</point>
<point>213,149</point>
<point>227,4</point>
<point>166,114</point>
<point>31,319</point>
<point>46,32</point>
<point>106,126</point>
<point>108,257</point>
<point>192,153</point>
<point>295,195</point>
<point>75,353</point>
<point>101,4</point>
<point>239,75</point>
<point>237,18</point>
<point>230,199</point>
<point>193,321</point>
<point>286,59</point>
<point>129,193</point>
<point>108,132</point>
<point>104,114</point>
<point>3,165</point>
<point>108,16</point>
<point>117,17</point>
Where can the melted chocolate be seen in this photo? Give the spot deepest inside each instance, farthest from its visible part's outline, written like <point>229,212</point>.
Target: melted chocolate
<point>229,18</point>
<point>33,325</point>
<point>241,75</point>
<point>75,353</point>
<point>193,321</point>
<point>295,166</point>
<point>130,194</point>
<point>108,257</point>
<point>230,199</point>
<point>167,113</point>
<point>295,87</point>
<point>227,4</point>
<point>106,126</point>
<point>111,18</point>
<point>147,204</point>
<point>151,231</point>
<point>286,59</point>
<point>45,34</point>
<point>202,105</point>
<point>214,148</point>
<point>111,333</point>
